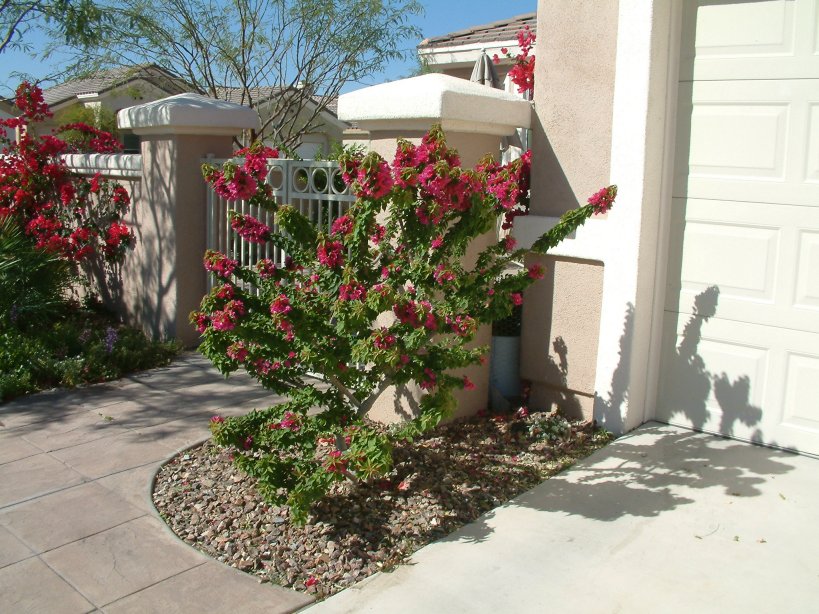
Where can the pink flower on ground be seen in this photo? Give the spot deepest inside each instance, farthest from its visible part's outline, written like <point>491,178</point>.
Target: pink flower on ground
<point>311,581</point>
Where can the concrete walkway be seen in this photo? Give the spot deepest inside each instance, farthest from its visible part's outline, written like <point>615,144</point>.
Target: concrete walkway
<point>78,532</point>
<point>662,520</point>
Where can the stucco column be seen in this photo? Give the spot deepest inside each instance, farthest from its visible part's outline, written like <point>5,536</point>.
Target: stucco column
<point>602,83</point>
<point>164,279</point>
<point>473,117</point>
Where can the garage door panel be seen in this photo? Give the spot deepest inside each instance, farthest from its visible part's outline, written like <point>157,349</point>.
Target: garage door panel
<point>746,140</point>
<point>741,380</point>
<point>807,277</point>
<point>761,259</point>
<point>740,346</point>
<point>812,158</point>
<point>799,409</point>
<point>766,39</point>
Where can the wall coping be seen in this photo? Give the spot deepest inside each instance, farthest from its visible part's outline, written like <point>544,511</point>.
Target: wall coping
<point>115,165</point>
<point>416,103</point>
<point>188,114</point>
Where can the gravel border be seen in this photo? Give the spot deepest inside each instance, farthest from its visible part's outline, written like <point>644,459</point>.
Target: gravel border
<point>442,481</point>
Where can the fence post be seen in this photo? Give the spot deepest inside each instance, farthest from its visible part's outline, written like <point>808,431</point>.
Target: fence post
<point>164,278</point>
<point>474,118</point>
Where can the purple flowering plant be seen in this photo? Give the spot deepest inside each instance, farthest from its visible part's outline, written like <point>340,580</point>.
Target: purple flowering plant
<point>384,298</point>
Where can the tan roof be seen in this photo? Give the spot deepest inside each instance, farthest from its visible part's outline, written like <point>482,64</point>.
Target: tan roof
<point>495,32</point>
<point>115,77</point>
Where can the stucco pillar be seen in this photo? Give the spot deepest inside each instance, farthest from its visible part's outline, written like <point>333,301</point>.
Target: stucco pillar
<point>601,91</point>
<point>571,158</point>
<point>164,279</point>
<point>473,117</point>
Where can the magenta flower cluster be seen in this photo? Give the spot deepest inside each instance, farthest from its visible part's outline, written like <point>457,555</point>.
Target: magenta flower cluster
<point>249,228</point>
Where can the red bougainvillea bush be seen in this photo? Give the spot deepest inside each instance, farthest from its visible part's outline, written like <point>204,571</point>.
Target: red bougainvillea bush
<point>522,73</point>
<point>74,218</point>
<point>383,298</point>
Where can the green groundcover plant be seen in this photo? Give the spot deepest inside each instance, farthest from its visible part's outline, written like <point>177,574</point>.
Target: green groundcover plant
<point>386,297</point>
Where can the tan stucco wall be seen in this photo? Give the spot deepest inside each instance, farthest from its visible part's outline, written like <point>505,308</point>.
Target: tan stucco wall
<point>574,91</point>
<point>561,315</point>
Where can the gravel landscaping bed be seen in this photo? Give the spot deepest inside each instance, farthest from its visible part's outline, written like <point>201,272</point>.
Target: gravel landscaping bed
<point>440,482</point>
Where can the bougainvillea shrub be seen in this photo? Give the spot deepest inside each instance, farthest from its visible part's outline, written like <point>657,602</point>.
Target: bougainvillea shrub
<point>384,298</point>
<point>77,219</point>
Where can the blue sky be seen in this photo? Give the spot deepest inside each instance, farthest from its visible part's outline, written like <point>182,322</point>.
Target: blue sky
<point>441,17</point>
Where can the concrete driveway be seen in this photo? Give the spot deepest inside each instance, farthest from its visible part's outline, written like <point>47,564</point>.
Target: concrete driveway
<point>662,520</point>
<point>78,531</point>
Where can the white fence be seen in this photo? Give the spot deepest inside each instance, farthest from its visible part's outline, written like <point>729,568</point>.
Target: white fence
<point>313,187</point>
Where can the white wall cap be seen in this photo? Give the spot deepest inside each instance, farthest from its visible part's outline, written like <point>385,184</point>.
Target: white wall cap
<point>188,114</point>
<point>119,165</point>
<point>416,103</point>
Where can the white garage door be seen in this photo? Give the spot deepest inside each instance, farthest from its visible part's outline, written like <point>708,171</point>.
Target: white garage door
<point>741,336</point>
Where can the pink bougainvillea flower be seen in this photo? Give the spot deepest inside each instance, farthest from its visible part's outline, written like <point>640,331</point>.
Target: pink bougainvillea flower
<point>331,254</point>
<point>353,291</point>
<point>603,199</point>
<point>220,264</point>
<point>517,298</point>
<point>343,225</point>
<point>536,271</point>
<point>250,229</point>
<point>281,305</point>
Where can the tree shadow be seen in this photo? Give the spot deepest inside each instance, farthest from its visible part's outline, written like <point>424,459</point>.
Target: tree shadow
<point>657,468</point>
<point>188,388</point>
<point>653,470</point>
<point>557,392</point>
<point>609,413</point>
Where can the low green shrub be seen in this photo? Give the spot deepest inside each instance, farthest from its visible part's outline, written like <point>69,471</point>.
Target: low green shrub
<point>81,347</point>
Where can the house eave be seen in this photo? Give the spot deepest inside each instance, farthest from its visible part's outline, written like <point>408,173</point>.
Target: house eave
<point>465,55</point>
